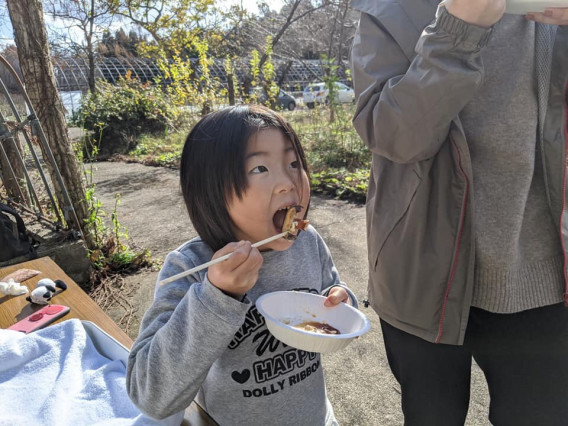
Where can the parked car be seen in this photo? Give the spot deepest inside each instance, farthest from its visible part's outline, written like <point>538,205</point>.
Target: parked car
<point>319,92</point>
<point>286,101</point>
<point>283,101</point>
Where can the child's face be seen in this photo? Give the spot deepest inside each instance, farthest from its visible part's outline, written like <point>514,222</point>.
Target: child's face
<point>276,180</point>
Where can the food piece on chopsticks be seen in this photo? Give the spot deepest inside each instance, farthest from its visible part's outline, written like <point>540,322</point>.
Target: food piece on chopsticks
<point>290,228</point>
<point>289,218</point>
<point>297,226</point>
<point>292,225</point>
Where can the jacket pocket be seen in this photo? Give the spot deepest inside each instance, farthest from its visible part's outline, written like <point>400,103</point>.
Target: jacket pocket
<point>412,265</point>
<point>386,211</point>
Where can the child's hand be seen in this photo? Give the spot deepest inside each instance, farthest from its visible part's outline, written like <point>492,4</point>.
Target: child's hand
<point>336,296</point>
<point>238,274</point>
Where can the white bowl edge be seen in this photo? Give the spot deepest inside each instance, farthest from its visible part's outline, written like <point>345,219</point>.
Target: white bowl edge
<point>315,342</point>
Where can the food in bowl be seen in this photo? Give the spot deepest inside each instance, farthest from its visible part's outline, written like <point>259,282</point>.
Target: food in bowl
<point>317,327</point>
<point>282,310</point>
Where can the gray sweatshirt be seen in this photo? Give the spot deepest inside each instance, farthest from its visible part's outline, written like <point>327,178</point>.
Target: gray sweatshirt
<point>197,342</point>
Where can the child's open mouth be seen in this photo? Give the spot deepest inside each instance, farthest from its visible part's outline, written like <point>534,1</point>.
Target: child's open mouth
<point>281,215</point>
<point>285,220</point>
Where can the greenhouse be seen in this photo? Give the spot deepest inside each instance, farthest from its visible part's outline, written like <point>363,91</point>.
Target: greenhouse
<point>72,74</point>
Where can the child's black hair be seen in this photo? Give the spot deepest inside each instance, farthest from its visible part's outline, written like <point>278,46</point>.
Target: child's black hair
<point>212,168</point>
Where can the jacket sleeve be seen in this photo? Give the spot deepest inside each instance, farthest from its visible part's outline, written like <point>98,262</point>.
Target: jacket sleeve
<point>186,329</point>
<point>404,109</point>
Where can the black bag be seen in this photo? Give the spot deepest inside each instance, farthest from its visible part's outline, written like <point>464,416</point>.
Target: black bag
<point>14,240</point>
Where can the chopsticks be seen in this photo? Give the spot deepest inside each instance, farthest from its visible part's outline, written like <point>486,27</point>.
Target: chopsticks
<point>219,259</point>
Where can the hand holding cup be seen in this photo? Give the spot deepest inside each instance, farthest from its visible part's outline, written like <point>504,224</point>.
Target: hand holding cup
<point>483,13</point>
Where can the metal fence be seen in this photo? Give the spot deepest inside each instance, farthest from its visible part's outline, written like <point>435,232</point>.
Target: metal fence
<point>72,73</point>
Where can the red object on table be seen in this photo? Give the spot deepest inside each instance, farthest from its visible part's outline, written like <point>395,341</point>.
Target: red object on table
<point>40,319</point>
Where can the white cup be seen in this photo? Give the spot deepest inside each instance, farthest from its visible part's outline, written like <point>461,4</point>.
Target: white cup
<point>522,7</point>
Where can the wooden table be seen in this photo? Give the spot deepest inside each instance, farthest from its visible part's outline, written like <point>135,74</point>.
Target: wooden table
<point>16,308</point>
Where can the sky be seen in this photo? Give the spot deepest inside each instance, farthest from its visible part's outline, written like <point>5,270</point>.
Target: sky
<point>7,36</point>
<point>251,5</point>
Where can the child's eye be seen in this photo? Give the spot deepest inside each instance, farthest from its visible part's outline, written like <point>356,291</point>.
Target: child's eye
<point>295,164</point>
<point>258,169</point>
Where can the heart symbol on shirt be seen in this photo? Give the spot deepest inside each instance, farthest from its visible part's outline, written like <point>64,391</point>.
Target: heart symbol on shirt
<point>241,377</point>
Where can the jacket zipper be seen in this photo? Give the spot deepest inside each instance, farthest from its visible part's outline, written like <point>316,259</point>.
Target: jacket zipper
<point>564,192</point>
<point>456,253</point>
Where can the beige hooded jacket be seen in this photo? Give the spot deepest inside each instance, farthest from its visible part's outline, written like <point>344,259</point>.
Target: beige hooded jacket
<point>414,68</point>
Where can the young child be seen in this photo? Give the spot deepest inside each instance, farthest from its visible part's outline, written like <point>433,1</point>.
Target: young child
<point>203,337</point>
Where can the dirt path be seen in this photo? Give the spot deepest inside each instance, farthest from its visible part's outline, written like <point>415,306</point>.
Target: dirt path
<point>360,385</point>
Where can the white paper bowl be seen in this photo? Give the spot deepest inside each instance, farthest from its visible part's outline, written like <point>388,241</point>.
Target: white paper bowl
<point>522,7</point>
<point>283,309</point>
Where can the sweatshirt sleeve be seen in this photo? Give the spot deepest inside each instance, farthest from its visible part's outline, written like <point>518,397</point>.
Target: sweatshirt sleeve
<point>404,109</point>
<point>187,328</point>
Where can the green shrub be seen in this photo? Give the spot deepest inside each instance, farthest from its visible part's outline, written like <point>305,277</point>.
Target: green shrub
<point>342,184</point>
<point>118,114</point>
<point>325,152</point>
<point>335,145</point>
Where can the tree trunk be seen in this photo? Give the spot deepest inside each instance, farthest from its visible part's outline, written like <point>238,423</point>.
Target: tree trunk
<point>247,86</point>
<point>91,55</point>
<point>289,21</point>
<point>37,70</point>
<point>90,49</point>
<point>231,88</point>
<point>284,73</point>
<point>11,170</point>
<point>340,41</point>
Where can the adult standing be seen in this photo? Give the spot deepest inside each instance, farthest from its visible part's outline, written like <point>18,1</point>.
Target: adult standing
<point>464,110</point>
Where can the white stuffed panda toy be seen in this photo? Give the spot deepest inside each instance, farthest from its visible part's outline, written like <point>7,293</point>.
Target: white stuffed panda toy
<point>45,290</point>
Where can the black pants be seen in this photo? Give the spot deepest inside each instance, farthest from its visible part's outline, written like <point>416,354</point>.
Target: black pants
<point>524,357</point>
